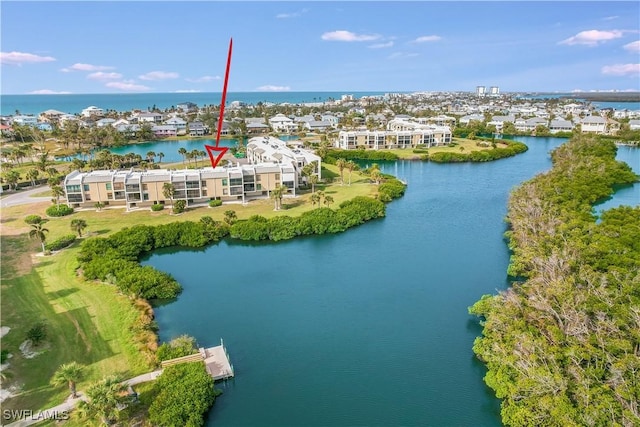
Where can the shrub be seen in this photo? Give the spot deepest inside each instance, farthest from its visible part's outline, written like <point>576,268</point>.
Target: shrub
<point>157,207</point>
<point>179,206</point>
<point>60,243</point>
<point>37,333</point>
<point>33,219</point>
<point>59,210</point>
<point>215,203</point>
<point>4,355</point>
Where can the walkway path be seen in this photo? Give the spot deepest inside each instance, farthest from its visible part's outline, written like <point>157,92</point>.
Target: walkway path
<point>23,197</point>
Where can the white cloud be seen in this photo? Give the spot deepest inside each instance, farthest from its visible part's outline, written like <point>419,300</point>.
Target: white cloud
<point>48,92</point>
<point>610,18</point>
<point>86,67</point>
<point>273,88</point>
<point>381,45</point>
<point>187,91</point>
<point>104,76</point>
<point>19,58</point>
<point>292,14</point>
<point>622,70</point>
<point>592,37</point>
<point>401,55</point>
<point>348,36</point>
<point>425,39</point>
<point>203,79</point>
<point>633,47</point>
<point>159,75</point>
<point>127,85</point>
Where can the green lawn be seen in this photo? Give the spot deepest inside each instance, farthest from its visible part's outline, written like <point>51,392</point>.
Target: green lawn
<point>467,144</point>
<point>89,322</point>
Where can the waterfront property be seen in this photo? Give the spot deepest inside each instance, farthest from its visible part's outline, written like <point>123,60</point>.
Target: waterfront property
<point>425,135</point>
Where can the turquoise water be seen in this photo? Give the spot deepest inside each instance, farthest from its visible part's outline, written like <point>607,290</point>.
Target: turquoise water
<point>368,327</point>
<point>75,103</point>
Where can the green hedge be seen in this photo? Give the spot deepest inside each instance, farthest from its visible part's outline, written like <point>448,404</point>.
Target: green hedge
<point>215,203</point>
<point>157,207</point>
<point>33,219</point>
<point>60,243</point>
<point>359,154</point>
<point>513,148</point>
<point>59,210</point>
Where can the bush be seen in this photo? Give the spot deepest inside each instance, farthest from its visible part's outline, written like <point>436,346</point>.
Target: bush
<point>4,355</point>
<point>60,243</point>
<point>179,206</point>
<point>33,219</point>
<point>157,207</point>
<point>59,210</point>
<point>215,203</point>
<point>37,333</point>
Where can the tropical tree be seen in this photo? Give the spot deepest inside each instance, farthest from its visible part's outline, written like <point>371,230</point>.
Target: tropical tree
<point>104,399</point>
<point>38,232</point>
<point>328,200</point>
<point>160,156</point>
<point>315,198</point>
<point>57,192</point>
<point>230,217</point>
<point>341,164</point>
<point>99,206</point>
<point>32,176</point>
<point>169,190</point>
<point>69,373</point>
<point>313,180</point>
<point>183,152</point>
<point>151,156</point>
<point>277,194</point>
<point>351,166</point>
<point>78,225</point>
<point>12,177</point>
<point>375,174</point>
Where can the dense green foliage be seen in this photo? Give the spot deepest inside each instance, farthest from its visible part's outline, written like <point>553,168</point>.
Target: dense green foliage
<point>317,221</point>
<point>156,207</point>
<point>563,346</point>
<point>61,242</point>
<point>215,203</point>
<point>178,347</point>
<point>59,210</point>
<point>33,219</point>
<point>359,154</point>
<point>185,393</point>
<point>179,206</point>
<point>513,148</point>
<point>115,259</point>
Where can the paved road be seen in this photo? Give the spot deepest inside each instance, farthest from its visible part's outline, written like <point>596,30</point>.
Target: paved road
<point>23,197</point>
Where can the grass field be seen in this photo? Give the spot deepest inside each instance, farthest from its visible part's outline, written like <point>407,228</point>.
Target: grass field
<point>89,322</point>
<point>468,146</point>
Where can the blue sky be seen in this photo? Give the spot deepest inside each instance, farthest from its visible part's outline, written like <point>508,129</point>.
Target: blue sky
<point>156,46</point>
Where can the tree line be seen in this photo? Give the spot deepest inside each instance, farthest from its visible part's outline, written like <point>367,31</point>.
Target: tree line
<point>562,345</point>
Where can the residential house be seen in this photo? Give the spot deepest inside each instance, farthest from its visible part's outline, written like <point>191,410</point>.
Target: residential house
<point>282,123</point>
<point>146,117</point>
<point>164,131</point>
<point>24,120</point>
<point>179,123</point>
<point>187,107</point>
<point>558,125</point>
<point>634,124</point>
<point>51,115</point>
<point>92,111</point>
<point>105,122</point>
<point>263,149</point>
<point>594,124</point>
<point>197,129</point>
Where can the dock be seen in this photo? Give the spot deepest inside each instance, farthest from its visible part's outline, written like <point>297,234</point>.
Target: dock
<point>216,361</point>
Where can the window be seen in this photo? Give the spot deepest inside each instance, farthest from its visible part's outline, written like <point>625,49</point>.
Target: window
<point>224,181</point>
<point>85,187</point>
<point>258,186</point>
<point>145,186</point>
<point>225,192</point>
<point>110,196</point>
<point>258,178</point>
<point>277,177</point>
<point>73,188</point>
<point>236,181</point>
<point>108,185</point>
<point>145,196</point>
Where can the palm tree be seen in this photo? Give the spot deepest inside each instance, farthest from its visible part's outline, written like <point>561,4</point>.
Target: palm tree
<point>351,166</point>
<point>328,200</point>
<point>313,180</point>
<point>57,192</point>
<point>315,198</point>
<point>230,217</point>
<point>69,373</point>
<point>43,161</point>
<point>169,190</point>
<point>99,206</point>
<point>104,400</point>
<point>277,195</point>
<point>160,156</point>
<point>183,152</point>
<point>151,156</point>
<point>341,164</point>
<point>12,177</point>
<point>38,232</point>
<point>32,175</point>
<point>78,225</point>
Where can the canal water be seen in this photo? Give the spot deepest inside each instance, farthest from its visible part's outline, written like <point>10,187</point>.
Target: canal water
<point>369,327</point>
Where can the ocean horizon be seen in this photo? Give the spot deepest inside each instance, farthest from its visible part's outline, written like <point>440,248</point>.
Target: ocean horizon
<point>75,103</point>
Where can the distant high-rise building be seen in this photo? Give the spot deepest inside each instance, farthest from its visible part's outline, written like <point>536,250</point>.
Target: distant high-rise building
<point>494,91</point>
<point>481,90</point>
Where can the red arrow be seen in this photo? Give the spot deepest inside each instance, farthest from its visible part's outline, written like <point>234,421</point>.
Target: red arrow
<point>215,158</point>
